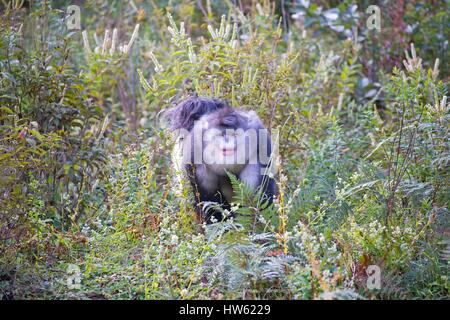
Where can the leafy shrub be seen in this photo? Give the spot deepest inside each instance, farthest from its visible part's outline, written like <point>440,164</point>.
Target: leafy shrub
<point>86,176</point>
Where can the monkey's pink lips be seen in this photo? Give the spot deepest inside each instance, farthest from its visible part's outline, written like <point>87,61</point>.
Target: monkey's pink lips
<point>228,152</point>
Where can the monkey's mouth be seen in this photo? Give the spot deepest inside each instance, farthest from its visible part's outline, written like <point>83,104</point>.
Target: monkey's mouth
<point>228,152</point>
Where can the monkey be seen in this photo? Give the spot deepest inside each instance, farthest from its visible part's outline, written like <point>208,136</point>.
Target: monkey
<point>216,140</point>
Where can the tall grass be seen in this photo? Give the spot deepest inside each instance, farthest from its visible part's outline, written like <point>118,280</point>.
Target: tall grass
<point>87,177</point>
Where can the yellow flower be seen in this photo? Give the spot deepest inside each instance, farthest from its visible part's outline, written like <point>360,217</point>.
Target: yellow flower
<point>141,17</point>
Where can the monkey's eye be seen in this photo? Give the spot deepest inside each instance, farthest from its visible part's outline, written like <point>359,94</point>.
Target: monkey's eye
<point>229,121</point>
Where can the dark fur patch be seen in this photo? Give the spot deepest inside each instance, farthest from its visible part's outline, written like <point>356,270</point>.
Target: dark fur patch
<point>190,110</point>
<point>228,118</point>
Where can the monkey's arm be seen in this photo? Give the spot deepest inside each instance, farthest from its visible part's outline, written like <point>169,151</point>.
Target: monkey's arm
<point>251,176</point>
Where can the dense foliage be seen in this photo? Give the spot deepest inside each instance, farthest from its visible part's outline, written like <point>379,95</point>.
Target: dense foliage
<point>89,208</point>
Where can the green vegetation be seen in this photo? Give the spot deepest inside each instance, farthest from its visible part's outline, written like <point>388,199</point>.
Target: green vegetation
<point>89,206</point>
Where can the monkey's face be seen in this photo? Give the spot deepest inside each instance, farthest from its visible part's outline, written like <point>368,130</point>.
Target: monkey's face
<point>222,152</point>
<point>223,141</point>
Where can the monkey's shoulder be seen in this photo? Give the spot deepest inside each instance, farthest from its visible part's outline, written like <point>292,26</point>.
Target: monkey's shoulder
<point>251,118</point>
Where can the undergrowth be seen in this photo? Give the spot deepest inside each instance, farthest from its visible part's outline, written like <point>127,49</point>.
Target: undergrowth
<point>91,209</point>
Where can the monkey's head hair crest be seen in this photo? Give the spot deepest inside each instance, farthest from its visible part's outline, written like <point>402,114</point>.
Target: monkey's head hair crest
<point>184,115</point>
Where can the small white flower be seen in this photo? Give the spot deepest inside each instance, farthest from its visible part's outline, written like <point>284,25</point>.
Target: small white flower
<point>174,239</point>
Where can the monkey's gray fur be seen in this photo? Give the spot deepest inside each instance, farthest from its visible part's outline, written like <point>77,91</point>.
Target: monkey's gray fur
<point>210,180</point>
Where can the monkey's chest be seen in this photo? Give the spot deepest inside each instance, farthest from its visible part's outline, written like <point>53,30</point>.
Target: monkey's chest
<point>226,190</point>
<point>217,186</point>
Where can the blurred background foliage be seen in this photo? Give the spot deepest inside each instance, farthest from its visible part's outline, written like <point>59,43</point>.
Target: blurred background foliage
<point>85,171</point>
